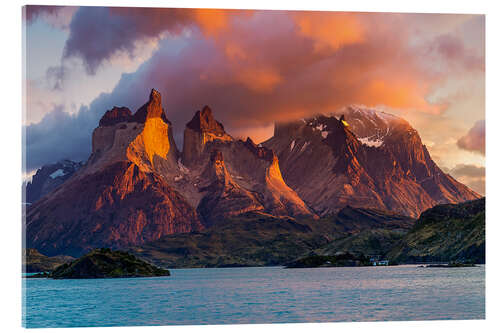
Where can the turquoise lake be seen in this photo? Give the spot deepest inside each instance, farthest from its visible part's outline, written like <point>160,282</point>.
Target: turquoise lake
<point>259,295</point>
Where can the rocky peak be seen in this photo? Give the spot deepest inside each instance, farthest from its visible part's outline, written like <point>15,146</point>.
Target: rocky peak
<point>377,160</point>
<point>140,138</point>
<point>152,109</point>
<point>49,177</point>
<point>259,150</point>
<point>204,121</point>
<point>115,115</point>
<point>201,130</point>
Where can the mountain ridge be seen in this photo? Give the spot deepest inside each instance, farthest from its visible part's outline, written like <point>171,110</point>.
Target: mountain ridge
<point>137,187</point>
<point>329,166</point>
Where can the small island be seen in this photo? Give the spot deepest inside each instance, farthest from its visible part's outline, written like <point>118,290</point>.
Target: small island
<point>104,263</point>
<point>338,260</point>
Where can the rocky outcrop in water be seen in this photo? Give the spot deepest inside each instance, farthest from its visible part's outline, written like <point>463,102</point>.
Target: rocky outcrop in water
<point>104,263</point>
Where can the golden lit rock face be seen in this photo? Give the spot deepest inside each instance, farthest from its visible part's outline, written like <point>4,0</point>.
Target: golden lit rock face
<point>153,140</point>
<point>134,188</point>
<point>285,198</point>
<point>137,138</point>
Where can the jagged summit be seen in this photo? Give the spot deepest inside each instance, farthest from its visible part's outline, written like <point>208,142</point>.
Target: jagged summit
<point>136,187</point>
<point>115,115</point>
<point>140,137</point>
<point>378,161</point>
<point>202,129</point>
<point>152,109</point>
<point>204,121</point>
<point>259,150</point>
<point>49,177</point>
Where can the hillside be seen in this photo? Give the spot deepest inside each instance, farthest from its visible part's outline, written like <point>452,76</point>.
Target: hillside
<point>445,233</point>
<point>256,239</point>
<point>34,261</point>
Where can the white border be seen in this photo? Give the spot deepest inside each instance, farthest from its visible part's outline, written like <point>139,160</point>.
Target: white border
<point>10,130</point>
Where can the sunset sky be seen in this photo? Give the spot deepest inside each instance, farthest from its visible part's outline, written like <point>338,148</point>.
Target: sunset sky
<point>254,68</point>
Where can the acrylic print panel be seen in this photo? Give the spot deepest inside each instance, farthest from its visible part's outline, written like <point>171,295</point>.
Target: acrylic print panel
<point>210,166</point>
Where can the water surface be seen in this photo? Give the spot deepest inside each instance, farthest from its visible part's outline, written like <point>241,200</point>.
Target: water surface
<point>259,295</point>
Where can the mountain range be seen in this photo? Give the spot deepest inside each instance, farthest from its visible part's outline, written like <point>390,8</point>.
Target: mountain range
<point>137,187</point>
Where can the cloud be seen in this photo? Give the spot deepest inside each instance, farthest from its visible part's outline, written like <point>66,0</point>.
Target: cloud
<point>57,16</point>
<point>251,67</point>
<point>61,135</point>
<point>98,33</point>
<point>471,175</point>
<point>474,140</point>
<point>450,52</point>
<point>327,33</point>
<point>55,76</point>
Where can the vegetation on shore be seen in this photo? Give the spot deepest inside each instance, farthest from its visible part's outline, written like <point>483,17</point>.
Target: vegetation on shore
<point>35,262</point>
<point>445,233</point>
<point>255,239</point>
<point>105,263</point>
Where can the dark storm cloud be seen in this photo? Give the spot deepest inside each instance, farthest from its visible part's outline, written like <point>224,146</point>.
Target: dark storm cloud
<point>97,33</point>
<point>474,140</point>
<point>60,135</point>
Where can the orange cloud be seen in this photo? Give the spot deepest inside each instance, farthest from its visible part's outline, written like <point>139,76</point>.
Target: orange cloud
<point>399,94</point>
<point>212,21</point>
<point>256,67</point>
<point>330,30</point>
<point>235,52</point>
<point>261,80</point>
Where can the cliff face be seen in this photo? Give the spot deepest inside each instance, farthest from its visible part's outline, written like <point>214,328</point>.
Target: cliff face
<point>49,177</point>
<point>116,207</point>
<point>139,138</point>
<point>201,130</point>
<point>385,166</point>
<point>226,177</point>
<point>136,186</point>
<point>118,198</point>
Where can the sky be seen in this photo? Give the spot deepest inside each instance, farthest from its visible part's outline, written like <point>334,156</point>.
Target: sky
<point>254,68</point>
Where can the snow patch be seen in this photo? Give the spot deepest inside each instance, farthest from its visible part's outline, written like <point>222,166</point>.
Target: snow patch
<point>371,143</point>
<point>177,178</point>
<point>320,127</point>
<point>324,134</point>
<point>304,146</point>
<point>57,173</point>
